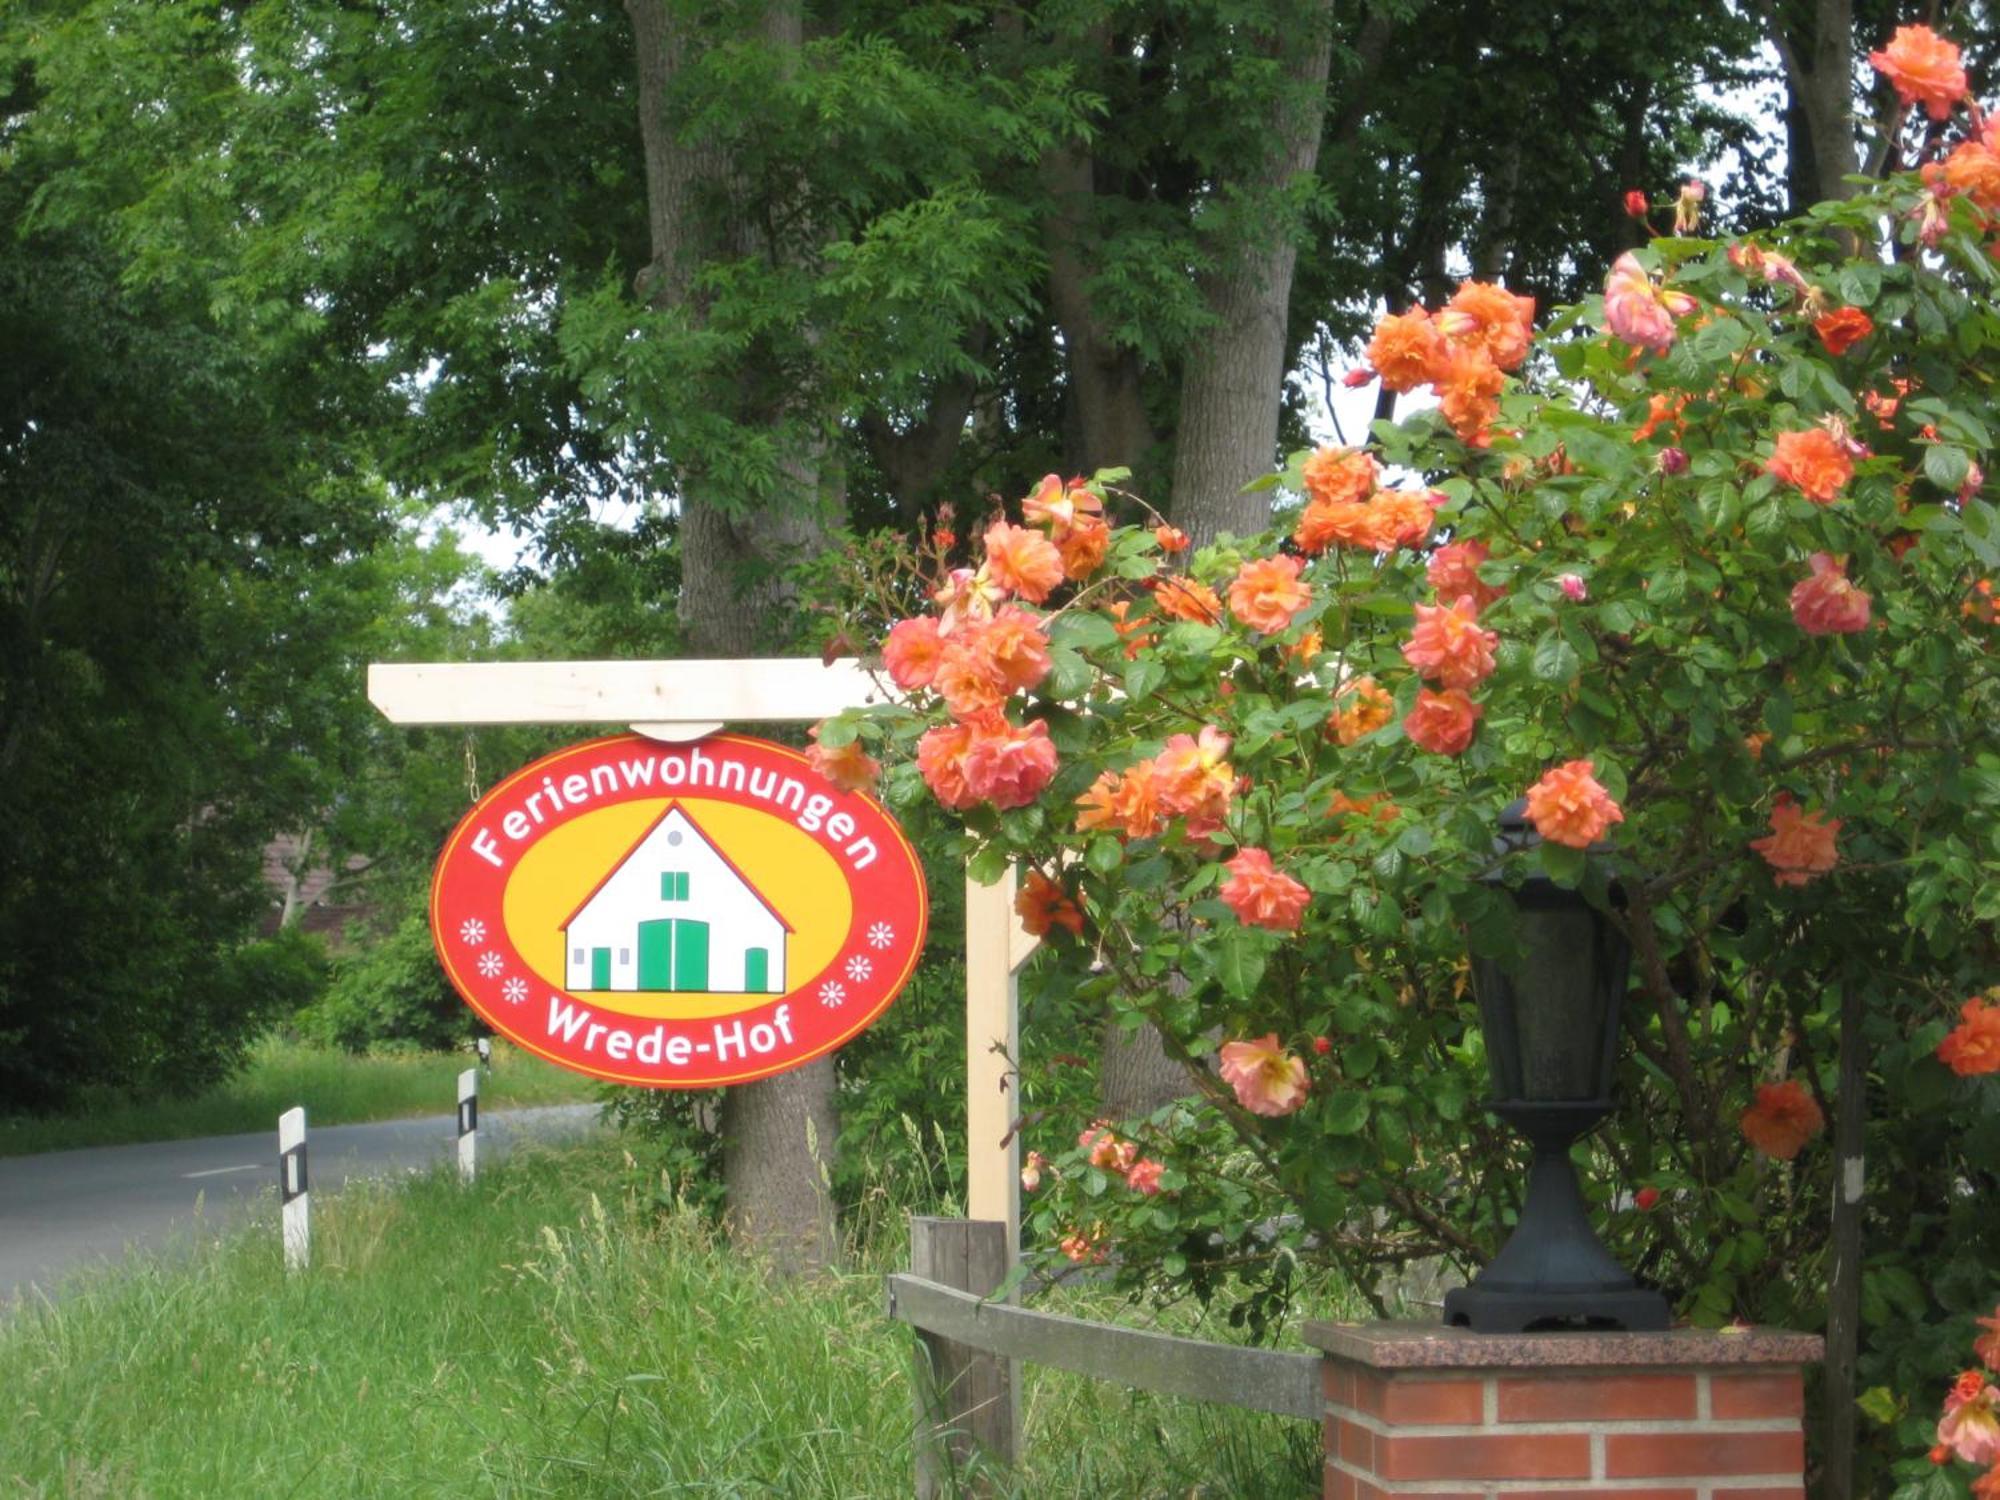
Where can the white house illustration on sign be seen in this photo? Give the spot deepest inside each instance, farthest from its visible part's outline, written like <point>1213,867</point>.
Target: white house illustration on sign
<point>675,914</point>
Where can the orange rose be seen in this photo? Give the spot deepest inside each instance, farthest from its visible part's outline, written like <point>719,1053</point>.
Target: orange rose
<point>1448,646</point>
<point>1082,547</point>
<point>1044,906</point>
<point>1843,328</point>
<point>1325,523</point>
<point>1800,844</point>
<point>1924,68</point>
<point>1170,538</point>
<point>1814,461</point>
<point>1023,561</point>
<point>1783,1118</point>
<point>912,652</point>
<point>1491,318</point>
<point>1008,765</point>
<point>1453,571</point>
<point>1568,805</point>
<point>1267,1079</point>
<point>1826,603</point>
<point>941,761</point>
<point>1972,1047</point>
<point>1185,599</point>
<point>1407,349</point>
<point>1267,594</point>
<point>1442,723</point>
<point>1973,168</point>
<point>849,766</point>
<point>1261,895</point>
<point>1016,649</point>
<point>967,679</point>
<point>1362,707</point>
<point>1335,474</point>
<point>1469,389</point>
<point>1195,780</point>
<point>1127,802</point>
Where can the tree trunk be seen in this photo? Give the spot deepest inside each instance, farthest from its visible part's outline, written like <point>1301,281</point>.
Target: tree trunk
<point>1135,1075</point>
<point>1819,74</point>
<point>778,1135</point>
<point>1234,377</point>
<point>1105,411</point>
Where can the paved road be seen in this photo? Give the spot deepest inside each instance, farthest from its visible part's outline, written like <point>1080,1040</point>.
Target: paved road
<point>66,1209</point>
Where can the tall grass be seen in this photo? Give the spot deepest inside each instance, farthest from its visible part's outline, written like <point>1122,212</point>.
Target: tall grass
<point>337,1088</point>
<point>567,1327</point>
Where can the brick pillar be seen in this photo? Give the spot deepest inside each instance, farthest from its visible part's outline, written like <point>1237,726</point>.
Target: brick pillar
<point>1418,1409</point>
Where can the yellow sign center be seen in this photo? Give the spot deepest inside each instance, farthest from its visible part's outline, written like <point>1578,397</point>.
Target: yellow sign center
<point>790,871</point>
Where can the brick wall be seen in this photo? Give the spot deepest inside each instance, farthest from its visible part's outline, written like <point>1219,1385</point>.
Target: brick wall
<point>1630,1433</point>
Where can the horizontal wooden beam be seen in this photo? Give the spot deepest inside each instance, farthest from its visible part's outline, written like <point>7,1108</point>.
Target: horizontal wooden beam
<point>658,695</point>
<point>1271,1380</point>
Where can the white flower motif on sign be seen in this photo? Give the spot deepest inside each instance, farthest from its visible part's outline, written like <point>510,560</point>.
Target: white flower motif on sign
<point>881,935</point>
<point>832,993</point>
<point>472,930</point>
<point>859,968</point>
<point>514,991</point>
<point>491,965</point>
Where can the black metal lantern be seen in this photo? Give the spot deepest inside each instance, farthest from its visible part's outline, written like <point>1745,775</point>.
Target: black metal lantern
<point>1551,1016</point>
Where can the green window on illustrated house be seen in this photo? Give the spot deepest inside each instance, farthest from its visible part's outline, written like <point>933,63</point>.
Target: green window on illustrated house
<point>673,885</point>
<point>756,970</point>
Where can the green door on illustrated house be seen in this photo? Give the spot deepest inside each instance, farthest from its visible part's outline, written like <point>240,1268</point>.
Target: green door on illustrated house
<point>673,954</point>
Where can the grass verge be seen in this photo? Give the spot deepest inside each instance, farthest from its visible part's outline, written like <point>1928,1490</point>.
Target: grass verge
<point>565,1327</point>
<point>337,1088</point>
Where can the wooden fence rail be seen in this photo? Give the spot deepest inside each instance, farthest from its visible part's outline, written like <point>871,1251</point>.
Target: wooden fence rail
<point>966,1416</point>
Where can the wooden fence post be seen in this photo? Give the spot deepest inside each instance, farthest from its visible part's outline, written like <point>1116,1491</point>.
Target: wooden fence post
<point>966,1399</point>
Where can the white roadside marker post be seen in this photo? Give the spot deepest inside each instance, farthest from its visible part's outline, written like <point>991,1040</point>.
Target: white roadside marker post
<point>468,1125</point>
<point>485,1046</point>
<point>294,1205</point>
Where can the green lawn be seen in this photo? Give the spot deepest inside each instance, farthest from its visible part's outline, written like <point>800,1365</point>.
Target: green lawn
<point>337,1088</point>
<point>565,1327</point>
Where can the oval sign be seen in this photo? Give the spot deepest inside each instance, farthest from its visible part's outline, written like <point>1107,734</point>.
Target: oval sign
<point>677,916</point>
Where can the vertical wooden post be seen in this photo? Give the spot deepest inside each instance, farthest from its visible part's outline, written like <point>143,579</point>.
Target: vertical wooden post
<point>468,1124</point>
<point>1843,1293</point>
<point>966,1399</point>
<point>992,1044</point>
<point>295,1203</point>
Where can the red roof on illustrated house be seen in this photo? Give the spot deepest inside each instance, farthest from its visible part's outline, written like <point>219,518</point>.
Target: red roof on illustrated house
<point>700,833</point>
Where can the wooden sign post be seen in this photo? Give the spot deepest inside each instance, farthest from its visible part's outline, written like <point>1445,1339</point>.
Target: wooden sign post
<point>678,701</point>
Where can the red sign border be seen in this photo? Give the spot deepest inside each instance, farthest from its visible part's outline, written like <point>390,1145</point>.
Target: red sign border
<point>541,766</point>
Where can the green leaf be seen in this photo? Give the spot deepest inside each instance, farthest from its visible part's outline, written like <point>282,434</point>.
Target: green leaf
<point>1104,855</point>
<point>1946,465</point>
<point>1082,629</point>
<point>1239,964</point>
<point>1142,676</point>
<point>1346,1112</point>
<point>1069,674</point>
<point>1562,864</point>
<point>837,731</point>
<point>1880,1404</point>
<point>1555,660</point>
<point>988,864</point>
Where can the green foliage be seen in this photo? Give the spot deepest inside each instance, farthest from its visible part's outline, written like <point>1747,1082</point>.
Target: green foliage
<point>388,990</point>
<point>1644,620</point>
<point>567,1325</point>
<point>336,1087</point>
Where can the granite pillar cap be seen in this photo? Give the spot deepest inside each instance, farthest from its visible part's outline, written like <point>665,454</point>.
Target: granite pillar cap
<point>1433,1346</point>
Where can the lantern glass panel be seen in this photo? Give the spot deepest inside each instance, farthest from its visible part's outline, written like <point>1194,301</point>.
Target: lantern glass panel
<point>1559,997</point>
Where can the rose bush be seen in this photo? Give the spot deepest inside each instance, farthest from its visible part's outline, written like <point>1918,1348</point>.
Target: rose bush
<point>1703,567</point>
